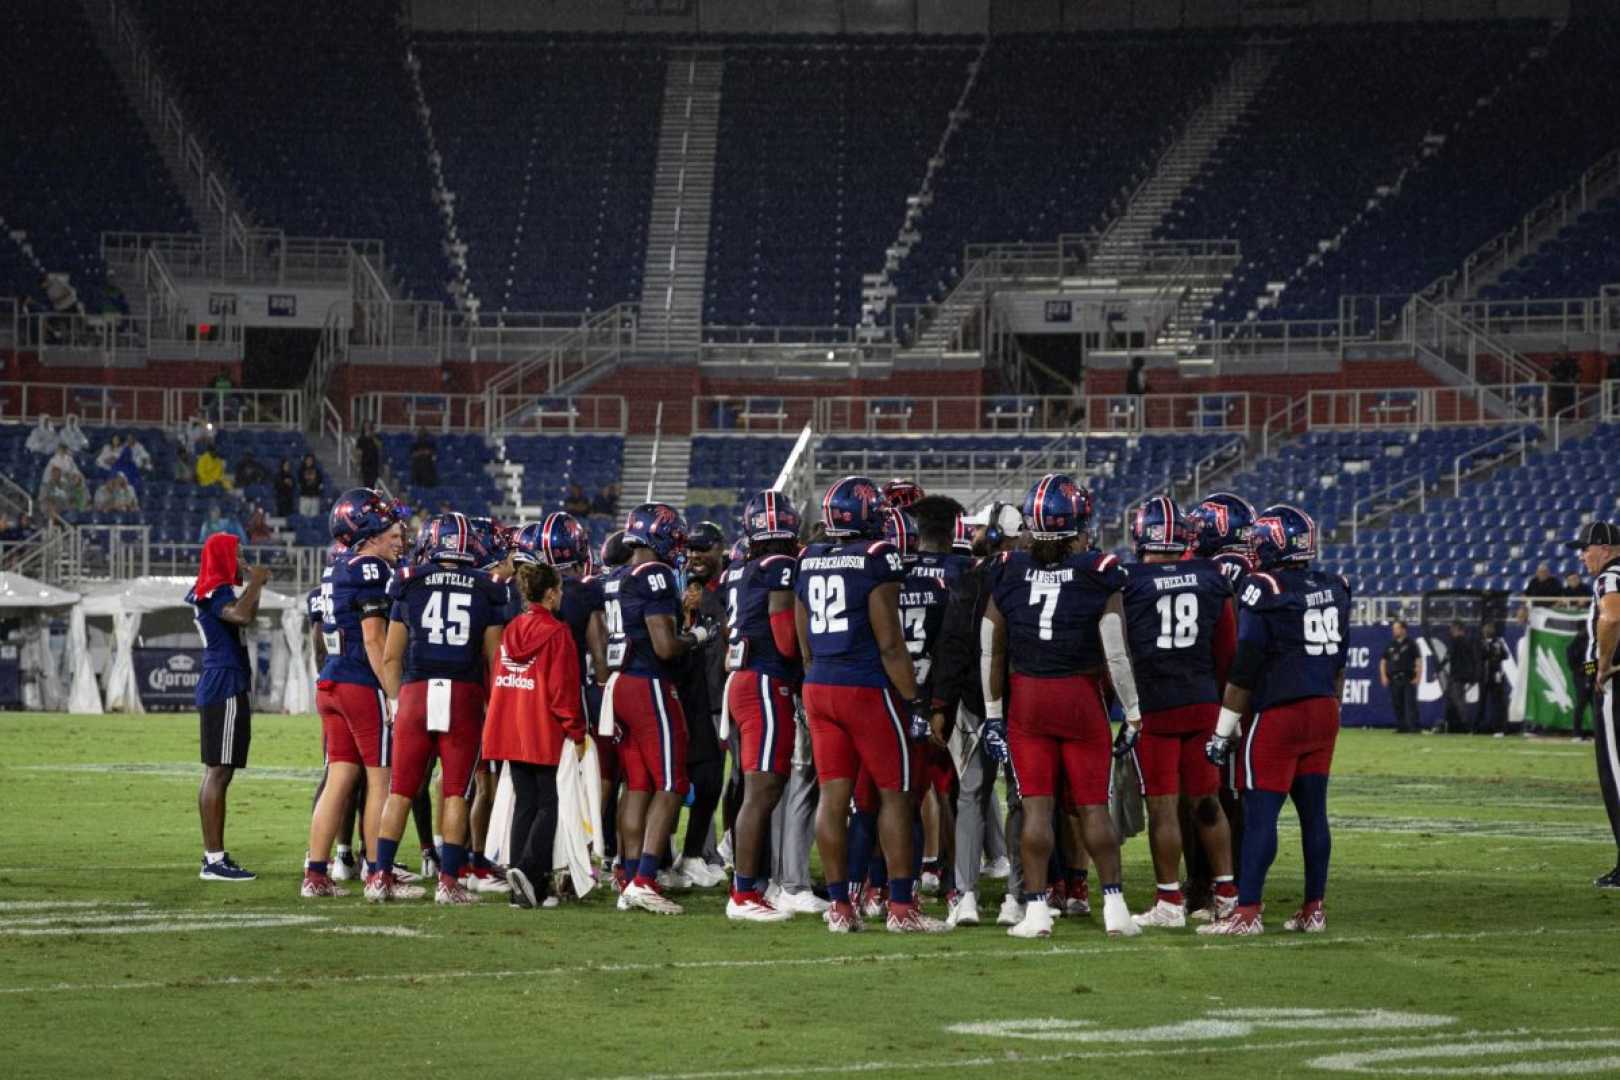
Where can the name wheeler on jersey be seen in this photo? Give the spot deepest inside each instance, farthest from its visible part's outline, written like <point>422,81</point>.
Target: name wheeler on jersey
<point>629,596</point>
<point>352,589</point>
<point>1052,612</point>
<point>1171,611</point>
<point>835,585</point>
<point>1300,619</point>
<point>750,645</point>
<point>446,610</point>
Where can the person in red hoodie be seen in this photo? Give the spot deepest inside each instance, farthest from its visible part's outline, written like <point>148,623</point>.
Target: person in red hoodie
<point>534,705</point>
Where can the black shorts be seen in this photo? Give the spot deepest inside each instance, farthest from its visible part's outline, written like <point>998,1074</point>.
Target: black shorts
<point>227,728</point>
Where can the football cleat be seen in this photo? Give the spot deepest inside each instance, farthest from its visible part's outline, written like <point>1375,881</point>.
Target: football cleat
<point>673,879</point>
<point>1235,925</point>
<point>623,902</point>
<point>483,879</point>
<point>1000,869</point>
<point>700,873</point>
<point>842,918</point>
<point>1219,908</point>
<point>751,907</point>
<point>522,889</point>
<point>802,902</point>
<point>726,855</point>
<point>451,891</point>
<point>965,912</point>
<point>649,898</point>
<point>872,902</point>
<point>1011,913</point>
<point>1611,880</point>
<point>1173,916</point>
<point>1078,903</point>
<point>319,885</point>
<point>1117,917</point>
<point>404,876</point>
<point>382,886</point>
<point>929,882</point>
<point>1307,920</point>
<point>909,919</point>
<point>1036,921</point>
<point>344,868</point>
<point>224,870</point>
<point>430,863</point>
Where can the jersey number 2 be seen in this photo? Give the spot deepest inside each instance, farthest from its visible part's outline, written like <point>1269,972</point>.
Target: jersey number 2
<point>1178,620</point>
<point>447,621</point>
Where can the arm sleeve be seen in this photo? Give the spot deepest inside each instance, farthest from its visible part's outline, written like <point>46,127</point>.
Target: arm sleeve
<point>785,634</point>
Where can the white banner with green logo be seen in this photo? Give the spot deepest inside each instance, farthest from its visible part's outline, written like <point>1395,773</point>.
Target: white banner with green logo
<point>1549,685</point>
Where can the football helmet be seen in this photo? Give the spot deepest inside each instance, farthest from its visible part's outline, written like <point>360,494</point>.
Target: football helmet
<point>1223,521</point>
<point>449,538</point>
<point>360,514</point>
<point>853,507</point>
<point>770,515</point>
<point>1282,534</point>
<point>1158,527</point>
<point>900,494</point>
<point>657,526</point>
<point>1056,508</point>
<point>900,529</point>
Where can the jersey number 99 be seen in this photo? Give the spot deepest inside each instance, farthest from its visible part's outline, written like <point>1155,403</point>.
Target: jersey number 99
<point>1322,636</point>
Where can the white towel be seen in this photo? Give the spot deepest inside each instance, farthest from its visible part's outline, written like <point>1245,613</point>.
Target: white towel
<point>964,739</point>
<point>438,705</point>
<point>500,816</point>
<point>604,726</point>
<point>725,708</point>
<point>579,816</point>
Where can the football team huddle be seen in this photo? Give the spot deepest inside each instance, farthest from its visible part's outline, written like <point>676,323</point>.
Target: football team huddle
<point>873,671</point>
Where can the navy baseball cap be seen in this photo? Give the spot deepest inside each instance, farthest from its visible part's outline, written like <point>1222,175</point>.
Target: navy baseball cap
<point>1595,534</point>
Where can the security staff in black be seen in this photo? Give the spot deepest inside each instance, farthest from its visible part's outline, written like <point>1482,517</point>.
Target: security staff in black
<point>1599,545</point>
<point>1400,670</point>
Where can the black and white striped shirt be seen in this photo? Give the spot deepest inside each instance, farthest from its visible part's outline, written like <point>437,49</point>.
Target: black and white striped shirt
<point>1607,581</point>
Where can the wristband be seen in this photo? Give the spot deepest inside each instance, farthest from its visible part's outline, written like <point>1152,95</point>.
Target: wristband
<point>1227,725</point>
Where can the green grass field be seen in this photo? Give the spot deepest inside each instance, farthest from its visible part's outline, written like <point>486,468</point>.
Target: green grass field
<point>1464,938</point>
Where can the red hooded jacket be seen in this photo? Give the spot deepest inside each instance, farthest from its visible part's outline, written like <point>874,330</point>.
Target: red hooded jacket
<point>534,699</point>
<point>219,565</point>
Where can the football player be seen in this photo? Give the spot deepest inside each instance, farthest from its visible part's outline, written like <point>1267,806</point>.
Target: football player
<point>1182,631</point>
<point>444,633</point>
<point>860,693</point>
<point>356,721</point>
<point>700,684</point>
<point>1289,669</point>
<point>1056,618</point>
<point>762,656</point>
<point>343,866</point>
<point>641,606</point>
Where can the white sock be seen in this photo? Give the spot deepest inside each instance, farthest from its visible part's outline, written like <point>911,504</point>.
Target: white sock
<point>214,856</point>
<point>1037,908</point>
<point>438,841</point>
<point>344,852</point>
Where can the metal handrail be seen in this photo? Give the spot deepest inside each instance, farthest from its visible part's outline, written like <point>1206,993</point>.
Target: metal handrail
<point>14,491</point>
<point>1457,474</point>
<point>331,423</point>
<point>1404,482</point>
<point>658,438</point>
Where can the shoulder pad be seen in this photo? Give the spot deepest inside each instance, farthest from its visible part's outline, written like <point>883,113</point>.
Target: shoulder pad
<point>1263,581</point>
<point>771,560</point>
<point>646,566</point>
<point>879,547</point>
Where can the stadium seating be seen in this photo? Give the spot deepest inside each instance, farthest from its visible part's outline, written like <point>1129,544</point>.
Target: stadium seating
<point>549,146</point>
<point>311,111</point>
<point>74,158</point>
<point>552,462</point>
<point>733,467</point>
<point>818,149</point>
<point>1342,113</point>
<point>1579,261</point>
<point>1493,536</point>
<point>459,462</point>
<point>1564,110</point>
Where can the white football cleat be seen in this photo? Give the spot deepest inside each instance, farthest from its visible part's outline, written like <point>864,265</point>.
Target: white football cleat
<point>344,868</point>
<point>485,880</point>
<point>648,898</point>
<point>1000,869</point>
<point>451,891</point>
<point>699,873</point>
<point>1162,913</point>
<point>909,919</point>
<point>622,903</point>
<point>1036,923</point>
<point>673,879</point>
<point>803,902</point>
<point>929,882</point>
<point>1235,925</point>
<point>872,905</point>
<point>1012,911</point>
<point>751,907</point>
<point>965,912</point>
<point>1220,907</point>
<point>1303,922</point>
<point>1117,917</point>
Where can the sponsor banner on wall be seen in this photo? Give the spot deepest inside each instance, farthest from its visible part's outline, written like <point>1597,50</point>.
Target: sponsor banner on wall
<point>1366,703</point>
<point>168,677</point>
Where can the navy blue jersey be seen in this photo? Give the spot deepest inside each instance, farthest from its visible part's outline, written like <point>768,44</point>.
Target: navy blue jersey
<point>1233,564</point>
<point>581,597</point>
<point>1052,612</point>
<point>1300,620</point>
<point>923,597</point>
<point>353,588</point>
<point>225,658</point>
<point>314,606</point>
<point>630,595</point>
<point>1170,614</point>
<point>835,583</point>
<point>748,587</point>
<point>445,611</point>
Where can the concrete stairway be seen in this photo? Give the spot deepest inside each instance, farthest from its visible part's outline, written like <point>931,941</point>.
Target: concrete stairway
<point>671,315</point>
<point>674,465</point>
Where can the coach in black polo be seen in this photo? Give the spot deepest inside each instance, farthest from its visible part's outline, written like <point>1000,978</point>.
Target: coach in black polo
<point>1599,545</point>
<point>1401,669</point>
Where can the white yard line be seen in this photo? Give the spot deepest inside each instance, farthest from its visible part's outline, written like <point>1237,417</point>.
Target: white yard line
<point>170,923</point>
<point>56,905</point>
<point>838,960</point>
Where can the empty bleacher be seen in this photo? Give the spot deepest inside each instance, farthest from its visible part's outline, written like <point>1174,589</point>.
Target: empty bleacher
<point>1579,261</point>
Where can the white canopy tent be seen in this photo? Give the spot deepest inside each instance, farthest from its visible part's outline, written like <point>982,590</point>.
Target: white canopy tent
<point>20,595</point>
<point>291,671</point>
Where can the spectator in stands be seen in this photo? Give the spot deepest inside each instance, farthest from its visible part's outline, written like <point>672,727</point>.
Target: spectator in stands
<point>606,501</point>
<point>1136,378</point>
<point>1565,374</point>
<point>576,503</point>
<point>64,299</point>
<point>210,469</point>
<point>107,456</point>
<point>248,471</point>
<point>1575,592</point>
<point>43,440</point>
<point>424,461</point>
<point>222,381</point>
<point>258,526</point>
<point>56,495</point>
<point>218,521</point>
<point>115,496</point>
<point>63,461</point>
<point>1543,586</point>
<point>286,489</point>
<point>72,435</point>
<point>138,454</point>
<point>184,470</point>
<point>368,449</point>
<point>310,487</point>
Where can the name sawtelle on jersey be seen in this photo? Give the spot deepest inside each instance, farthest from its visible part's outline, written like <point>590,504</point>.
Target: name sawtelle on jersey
<point>450,579</point>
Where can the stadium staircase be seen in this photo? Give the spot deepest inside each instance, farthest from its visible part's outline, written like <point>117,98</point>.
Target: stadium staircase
<point>662,461</point>
<point>508,477</point>
<point>678,230</point>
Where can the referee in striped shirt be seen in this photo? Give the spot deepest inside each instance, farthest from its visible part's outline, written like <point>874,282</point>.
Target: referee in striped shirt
<point>1599,545</point>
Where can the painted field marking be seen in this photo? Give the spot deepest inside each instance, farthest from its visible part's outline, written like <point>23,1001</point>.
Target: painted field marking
<point>1215,1024</point>
<point>156,923</point>
<point>379,931</point>
<point>175,770</point>
<point>840,960</point>
<point>1006,1060</point>
<point>1379,1062</point>
<point>97,868</point>
<point>57,905</point>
